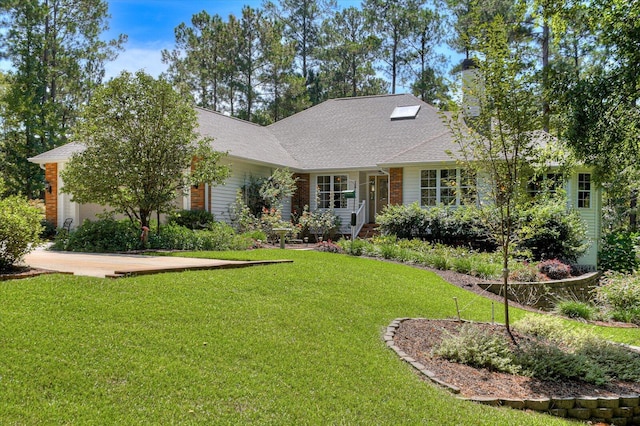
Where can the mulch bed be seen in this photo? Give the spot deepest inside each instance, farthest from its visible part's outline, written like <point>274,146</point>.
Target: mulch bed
<point>417,337</point>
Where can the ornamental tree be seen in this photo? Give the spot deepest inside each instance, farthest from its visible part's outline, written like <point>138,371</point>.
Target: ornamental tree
<point>502,145</point>
<point>141,140</point>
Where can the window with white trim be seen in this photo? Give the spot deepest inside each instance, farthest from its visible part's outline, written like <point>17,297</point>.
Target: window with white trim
<point>330,189</point>
<point>584,190</point>
<point>451,187</point>
<point>545,183</point>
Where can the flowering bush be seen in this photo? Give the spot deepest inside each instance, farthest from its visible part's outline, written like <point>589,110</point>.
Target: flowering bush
<point>328,246</point>
<point>554,269</point>
<point>242,218</point>
<point>272,219</point>
<point>321,223</point>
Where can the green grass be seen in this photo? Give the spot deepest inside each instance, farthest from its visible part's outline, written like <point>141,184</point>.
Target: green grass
<point>297,343</point>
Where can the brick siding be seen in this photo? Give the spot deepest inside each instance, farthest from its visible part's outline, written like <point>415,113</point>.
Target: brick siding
<point>395,185</point>
<point>51,199</point>
<point>197,193</point>
<point>302,196</point>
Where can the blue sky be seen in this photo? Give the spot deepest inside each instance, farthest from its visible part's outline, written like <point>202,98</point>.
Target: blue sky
<point>150,24</point>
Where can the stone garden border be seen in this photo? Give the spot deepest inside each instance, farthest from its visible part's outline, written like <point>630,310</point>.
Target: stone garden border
<point>623,410</point>
<point>543,295</point>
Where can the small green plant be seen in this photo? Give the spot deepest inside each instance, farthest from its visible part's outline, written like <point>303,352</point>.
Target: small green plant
<point>524,273</point>
<point>554,269</point>
<point>576,309</point>
<point>356,247</point>
<point>560,352</point>
<point>478,348</point>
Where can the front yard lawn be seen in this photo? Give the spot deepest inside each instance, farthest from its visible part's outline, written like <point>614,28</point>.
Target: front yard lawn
<point>295,343</point>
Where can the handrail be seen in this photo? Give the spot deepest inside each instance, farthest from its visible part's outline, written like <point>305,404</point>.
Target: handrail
<point>360,219</point>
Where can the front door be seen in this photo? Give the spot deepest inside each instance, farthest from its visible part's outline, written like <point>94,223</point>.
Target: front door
<point>378,195</point>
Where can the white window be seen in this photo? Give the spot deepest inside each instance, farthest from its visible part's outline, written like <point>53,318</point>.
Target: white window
<point>584,190</point>
<point>330,189</point>
<point>451,187</point>
<point>549,182</point>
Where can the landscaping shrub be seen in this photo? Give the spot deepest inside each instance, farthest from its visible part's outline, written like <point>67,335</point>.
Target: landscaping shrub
<point>219,236</point>
<point>101,236</point>
<point>19,229</point>
<point>404,221</point>
<point>554,269</point>
<point>110,235</point>
<point>619,252</point>
<point>540,326</point>
<point>461,226</point>
<point>242,218</point>
<point>549,231</point>
<point>48,230</point>
<point>272,219</point>
<point>192,219</point>
<point>319,224</point>
<point>356,247</point>
<point>615,361</point>
<point>329,247</point>
<point>524,273</point>
<point>546,361</point>
<point>584,356</point>
<point>478,348</point>
<point>619,294</point>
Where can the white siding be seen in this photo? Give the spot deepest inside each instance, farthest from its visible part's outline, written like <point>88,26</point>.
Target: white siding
<point>591,215</point>
<point>223,196</point>
<point>66,208</point>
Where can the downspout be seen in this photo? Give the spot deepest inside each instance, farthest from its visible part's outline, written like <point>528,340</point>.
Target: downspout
<point>207,198</point>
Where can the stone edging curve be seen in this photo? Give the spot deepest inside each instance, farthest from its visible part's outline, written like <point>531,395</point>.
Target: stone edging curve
<point>622,410</point>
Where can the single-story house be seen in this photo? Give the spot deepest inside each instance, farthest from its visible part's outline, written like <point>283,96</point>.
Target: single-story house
<point>390,149</point>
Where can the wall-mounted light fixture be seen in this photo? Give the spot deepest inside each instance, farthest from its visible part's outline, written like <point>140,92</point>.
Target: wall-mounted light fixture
<point>47,186</point>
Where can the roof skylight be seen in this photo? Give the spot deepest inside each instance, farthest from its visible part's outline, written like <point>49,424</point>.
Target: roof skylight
<point>405,112</point>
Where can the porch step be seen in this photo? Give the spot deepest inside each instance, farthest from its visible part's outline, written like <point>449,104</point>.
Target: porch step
<point>369,230</point>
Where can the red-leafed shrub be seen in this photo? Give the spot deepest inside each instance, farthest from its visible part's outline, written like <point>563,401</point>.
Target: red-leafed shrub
<point>554,269</point>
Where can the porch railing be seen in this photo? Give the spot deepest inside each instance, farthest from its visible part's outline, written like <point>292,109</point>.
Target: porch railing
<point>361,219</point>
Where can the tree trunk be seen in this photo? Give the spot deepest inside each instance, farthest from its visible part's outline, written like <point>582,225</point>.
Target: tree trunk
<point>546,112</point>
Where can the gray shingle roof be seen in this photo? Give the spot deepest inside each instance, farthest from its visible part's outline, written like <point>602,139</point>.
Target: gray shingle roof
<point>60,153</point>
<point>358,133</point>
<point>349,133</point>
<point>243,139</point>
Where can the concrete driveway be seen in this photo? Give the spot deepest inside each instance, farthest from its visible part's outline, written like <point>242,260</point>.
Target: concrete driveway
<point>120,265</point>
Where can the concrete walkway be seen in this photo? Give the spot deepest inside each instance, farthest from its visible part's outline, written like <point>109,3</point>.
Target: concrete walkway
<point>120,265</point>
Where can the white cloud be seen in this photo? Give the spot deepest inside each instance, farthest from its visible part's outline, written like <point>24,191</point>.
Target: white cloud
<point>147,59</point>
